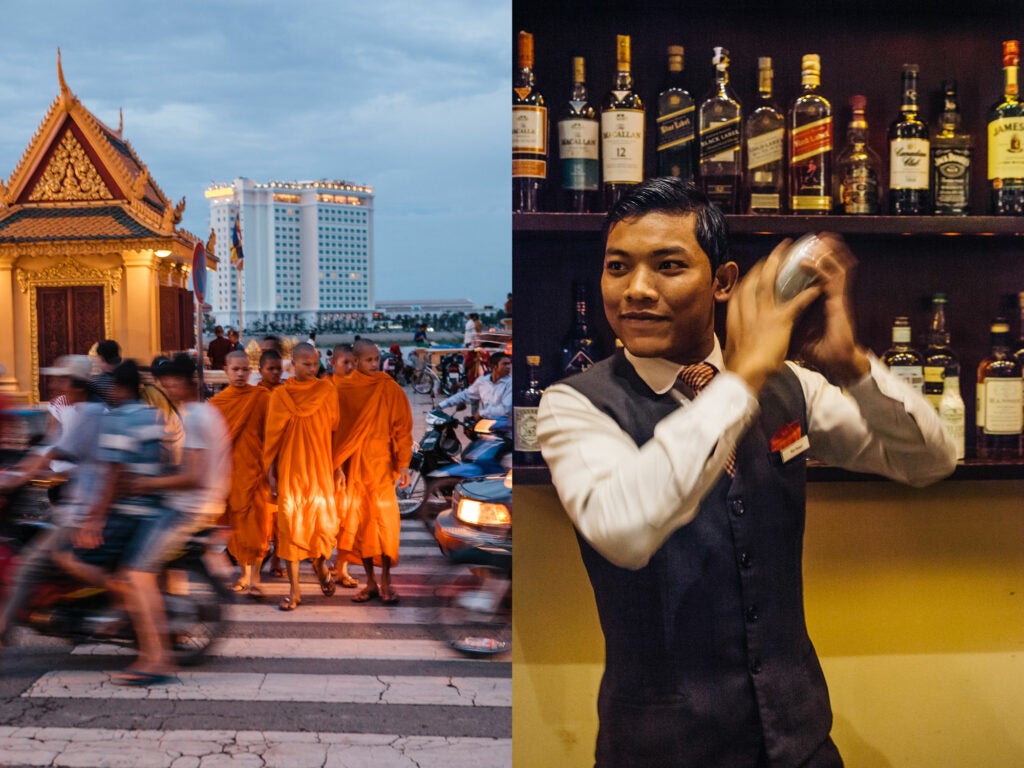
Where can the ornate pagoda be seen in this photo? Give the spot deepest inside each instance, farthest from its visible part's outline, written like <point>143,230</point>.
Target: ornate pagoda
<point>89,249</point>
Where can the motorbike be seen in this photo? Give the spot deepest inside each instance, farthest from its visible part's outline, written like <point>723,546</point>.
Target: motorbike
<point>58,605</point>
<point>438,464</point>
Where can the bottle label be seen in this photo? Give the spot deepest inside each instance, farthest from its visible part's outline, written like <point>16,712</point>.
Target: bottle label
<point>765,201</point>
<point>765,149</point>
<point>912,374</point>
<point>951,414</point>
<point>810,148</point>
<point>934,384</point>
<point>622,146</point>
<point>1006,148</point>
<point>979,406</point>
<point>951,178</point>
<point>529,137</point>
<point>578,148</point>
<point>859,191</point>
<point>908,163</point>
<point>577,362</point>
<point>675,129</point>
<point>1004,406</point>
<point>525,420</point>
<point>811,140</point>
<point>720,143</point>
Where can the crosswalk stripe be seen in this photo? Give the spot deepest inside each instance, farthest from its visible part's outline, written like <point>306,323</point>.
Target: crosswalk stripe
<point>334,614</point>
<point>270,749</point>
<point>255,686</point>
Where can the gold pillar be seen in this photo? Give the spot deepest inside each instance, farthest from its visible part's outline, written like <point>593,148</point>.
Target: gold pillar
<point>139,335</point>
<point>8,381</point>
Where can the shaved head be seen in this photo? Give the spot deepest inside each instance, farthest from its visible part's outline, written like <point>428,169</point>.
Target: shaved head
<point>361,346</point>
<point>237,356</point>
<point>303,349</point>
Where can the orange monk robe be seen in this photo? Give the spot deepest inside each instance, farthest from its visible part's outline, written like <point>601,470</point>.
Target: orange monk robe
<point>248,513</point>
<point>301,419</point>
<point>373,443</point>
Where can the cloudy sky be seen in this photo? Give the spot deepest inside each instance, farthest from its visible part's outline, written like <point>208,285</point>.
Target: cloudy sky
<point>408,97</point>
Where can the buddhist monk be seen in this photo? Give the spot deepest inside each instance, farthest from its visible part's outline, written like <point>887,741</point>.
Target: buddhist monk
<point>373,446</point>
<point>344,362</point>
<point>269,377</point>
<point>244,408</point>
<point>297,455</point>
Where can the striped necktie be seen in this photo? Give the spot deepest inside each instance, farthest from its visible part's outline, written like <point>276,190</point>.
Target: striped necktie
<point>696,377</point>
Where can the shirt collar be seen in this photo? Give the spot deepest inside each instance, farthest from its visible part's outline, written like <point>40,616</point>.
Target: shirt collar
<point>660,374</point>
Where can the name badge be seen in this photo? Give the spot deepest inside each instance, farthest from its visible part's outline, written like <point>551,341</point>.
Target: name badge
<point>789,442</point>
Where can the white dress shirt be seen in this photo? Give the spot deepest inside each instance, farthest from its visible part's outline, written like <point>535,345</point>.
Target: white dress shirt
<point>495,397</point>
<point>626,500</point>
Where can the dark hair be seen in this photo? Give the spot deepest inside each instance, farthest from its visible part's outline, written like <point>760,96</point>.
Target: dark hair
<point>269,354</point>
<point>497,357</point>
<point>109,351</point>
<point>182,366</point>
<point>127,375</point>
<point>667,194</point>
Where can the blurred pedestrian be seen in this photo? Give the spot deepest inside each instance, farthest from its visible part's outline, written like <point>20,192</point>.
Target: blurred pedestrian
<point>102,383</point>
<point>244,408</point>
<point>373,446</point>
<point>218,349</point>
<point>301,419</point>
<point>236,344</point>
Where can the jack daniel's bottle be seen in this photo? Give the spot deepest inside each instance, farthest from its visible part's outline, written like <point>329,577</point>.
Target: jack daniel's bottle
<point>578,346</point>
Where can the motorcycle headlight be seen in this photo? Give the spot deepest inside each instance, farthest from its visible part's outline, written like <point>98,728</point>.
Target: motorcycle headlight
<point>435,421</point>
<point>475,512</point>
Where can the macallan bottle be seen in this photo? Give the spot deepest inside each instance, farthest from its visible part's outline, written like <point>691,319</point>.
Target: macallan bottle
<point>951,158</point>
<point>579,138</point>
<point>524,416</point>
<point>529,132</point>
<point>578,345</point>
<point>810,143</point>
<point>766,132</point>
<point>1000,411</point>
<point>940,362</point>
<point>857,167</point>
<point>903,360</point>
<point>622,130</point>
<point>721,139</point>
<point>1006,141</point>
<point>909,153</point>
<point>675,122</point>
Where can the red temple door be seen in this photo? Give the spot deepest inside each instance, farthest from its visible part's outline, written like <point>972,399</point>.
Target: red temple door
<point>70,321</point>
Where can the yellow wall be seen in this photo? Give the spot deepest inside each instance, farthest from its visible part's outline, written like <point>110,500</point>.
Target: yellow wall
<point>915,602</point>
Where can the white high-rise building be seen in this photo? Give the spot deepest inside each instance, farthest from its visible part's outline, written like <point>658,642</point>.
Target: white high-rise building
<point>307,246</point>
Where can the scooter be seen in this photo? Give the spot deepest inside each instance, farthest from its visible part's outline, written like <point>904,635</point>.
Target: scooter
<point>439,447</point>
<point>60,606</point>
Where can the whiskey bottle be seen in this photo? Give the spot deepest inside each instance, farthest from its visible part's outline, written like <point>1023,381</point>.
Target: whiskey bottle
<point>909,153</point>
<point>578,144</point>
<point>903,360</point>
<point>1006,141</point>
<point>952,414</point>
<point>940,362</point>
<point>1000,407</point>
<point>1019,351</point>
<point>529,132</point>
<point>766,130</point>
<point>951,158</point>
<point>622,130</point>
<point>578,345</point>
<point>857,167</point>
<point>721,139</point>
<point>524,416</point>
<point>810,143</point>
<point>675,122</point>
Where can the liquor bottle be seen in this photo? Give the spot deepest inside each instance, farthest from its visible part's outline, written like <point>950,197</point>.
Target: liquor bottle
<point>1019,352</point>
<point>721,139</point>
<point>622,130</point>
<point>909,153</point>
<point>578,143</point>
<point>952,414</point>
<point>1000,410</point>
<point>529,132</point>
<point>951,158</point>
<point>766,131</point>
<point>857,167</point>
<point>1006,141</point>
<point>524,416</point>
<point>675,121</point>
<point>578,346</point>
<point>903,360</point>
<point>810,143</point>
<point>940,362</point>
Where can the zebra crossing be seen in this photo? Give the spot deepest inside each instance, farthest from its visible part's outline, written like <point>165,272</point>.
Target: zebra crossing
<point>332,683</point>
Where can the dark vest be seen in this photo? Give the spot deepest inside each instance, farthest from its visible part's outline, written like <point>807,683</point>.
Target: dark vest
<point>708,662</point>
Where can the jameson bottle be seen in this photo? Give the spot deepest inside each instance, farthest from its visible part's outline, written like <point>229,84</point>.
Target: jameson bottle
<point>1000,410</point>
<point>951,158</point>
<point>622,131</point>
<point>579,137</point>
<point>529,132</point>
<point>1006,141</point>
<point>903,360</point>
<point>721,139</point>
<point>857,166</point>
<point>578,346</point>
<point>810,143</point>
<point>675,122</point>
<point>524,416</point>
<point>766,131</point>
<point>940,362</point>
<point>909,153</point>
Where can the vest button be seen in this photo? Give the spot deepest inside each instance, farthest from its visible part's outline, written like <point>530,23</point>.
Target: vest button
<point>752,614</point>
<point>736,507</point>
<point>745,560</point>
<point>755,666</point>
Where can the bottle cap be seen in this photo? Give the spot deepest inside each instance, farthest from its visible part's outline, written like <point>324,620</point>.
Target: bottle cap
<point>526,50</point>
<point>764,62</point>
<point>1011,53</point>
<point>999,325</point>
<point>533,359</point>
<point>811,63</point>
<point>720,57</point>
<point>949,87</point>
<point>622,50</point>
<point>579,69</point>
<point>939,298</point>
<point>911,69</point>
<point>858,102</point>
<point>675,58</point>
